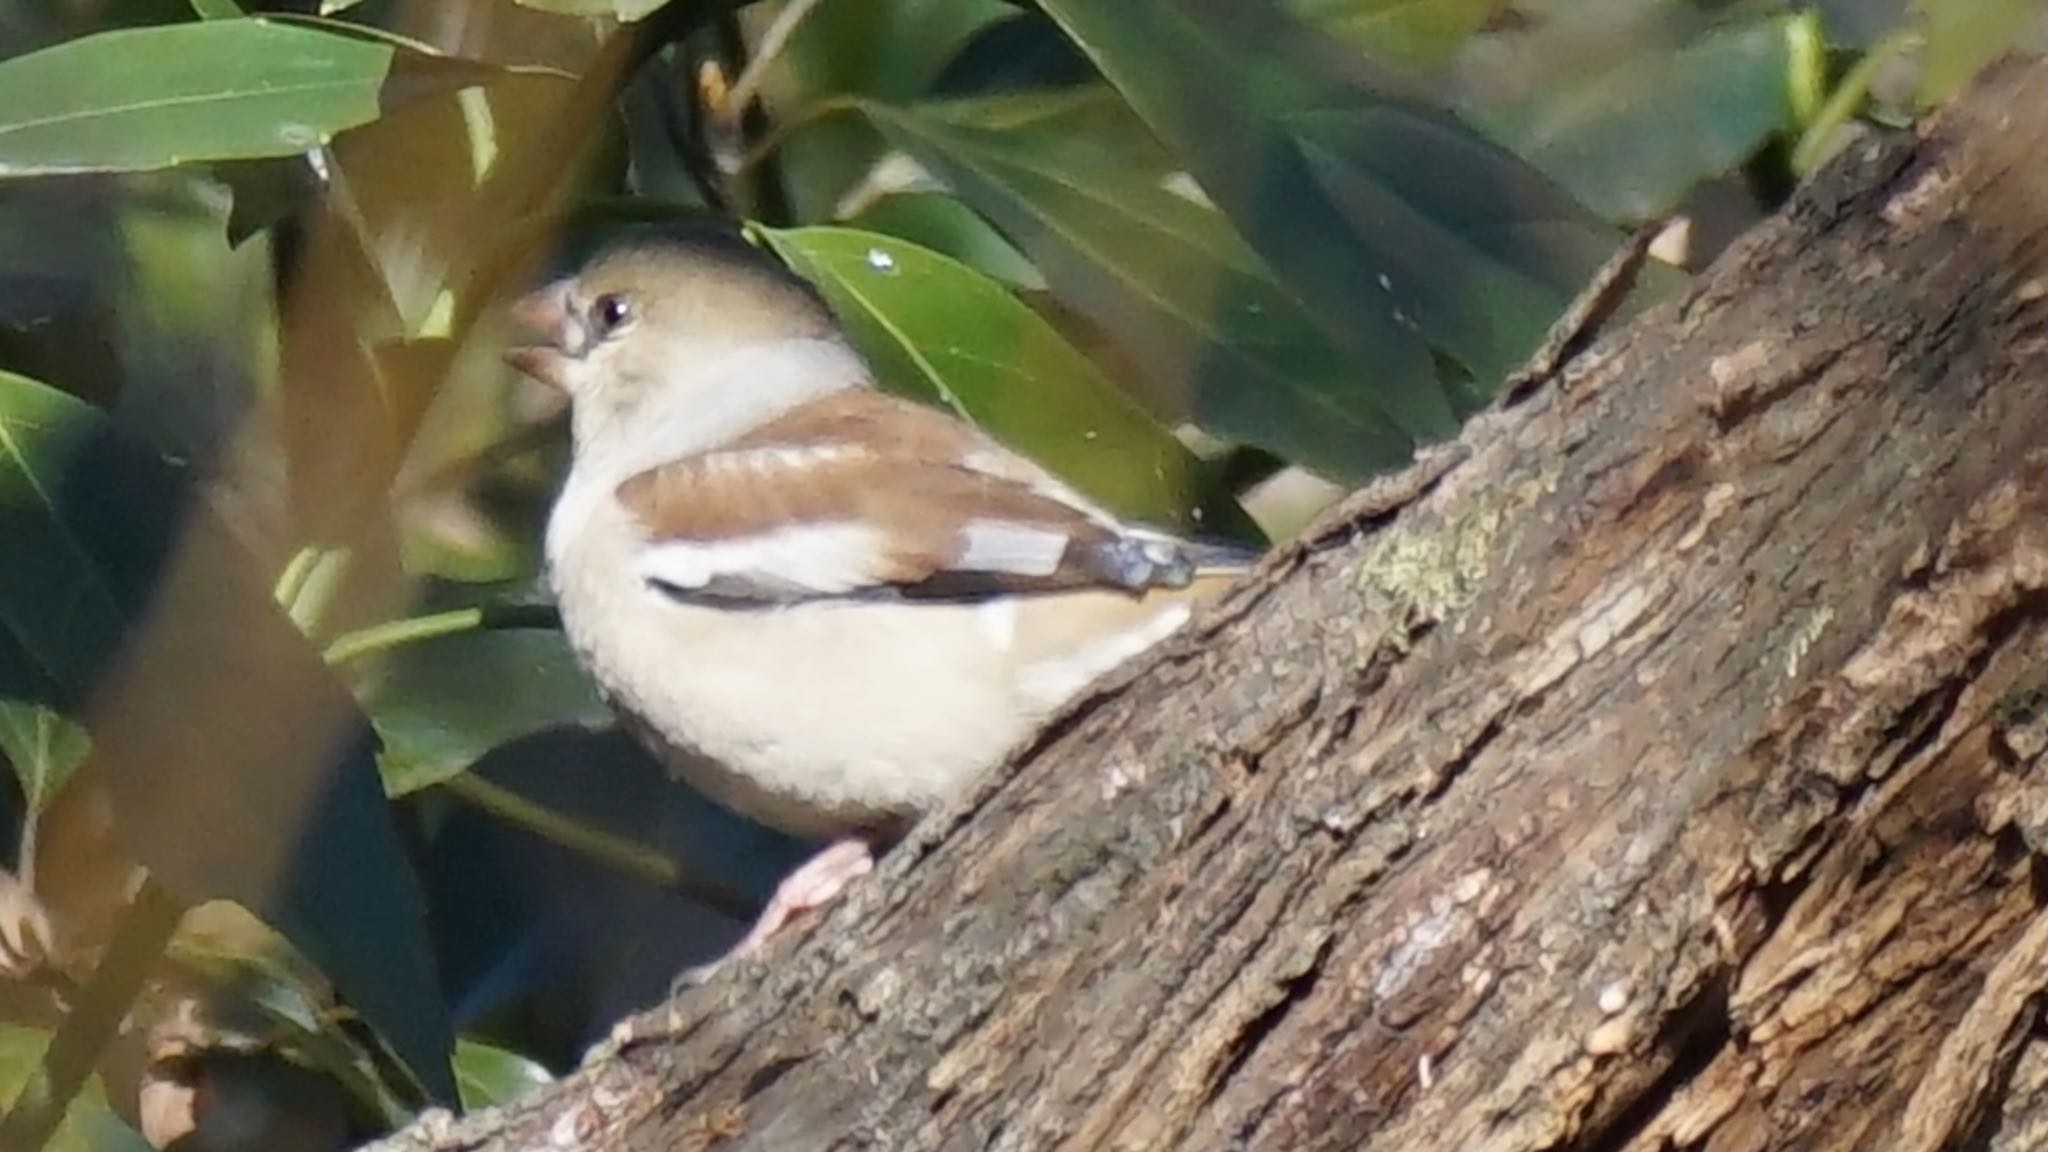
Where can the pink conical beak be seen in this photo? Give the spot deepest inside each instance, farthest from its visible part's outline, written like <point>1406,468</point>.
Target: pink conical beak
<point>543,314</point>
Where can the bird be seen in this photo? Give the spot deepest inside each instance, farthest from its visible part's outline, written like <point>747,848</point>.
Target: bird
<point>825,606</point>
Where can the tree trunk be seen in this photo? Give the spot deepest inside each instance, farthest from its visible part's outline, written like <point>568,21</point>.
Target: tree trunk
<point>1660,766</point>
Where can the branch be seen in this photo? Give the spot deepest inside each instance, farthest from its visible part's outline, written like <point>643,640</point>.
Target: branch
<point>1638,772</point>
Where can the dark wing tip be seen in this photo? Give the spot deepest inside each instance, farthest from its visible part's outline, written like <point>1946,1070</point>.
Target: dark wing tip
<point>1137,563</point>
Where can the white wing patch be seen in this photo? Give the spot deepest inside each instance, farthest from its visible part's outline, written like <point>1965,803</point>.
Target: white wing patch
<point>1006,546</point>
<point>789,563</point>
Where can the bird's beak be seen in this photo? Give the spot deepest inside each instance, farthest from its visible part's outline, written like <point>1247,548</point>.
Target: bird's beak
<point>544,316</point>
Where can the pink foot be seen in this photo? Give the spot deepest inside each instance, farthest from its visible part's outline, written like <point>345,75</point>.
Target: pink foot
<point>816,883</point>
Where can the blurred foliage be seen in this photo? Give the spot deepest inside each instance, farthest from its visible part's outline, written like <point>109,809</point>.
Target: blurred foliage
<point>271,628</point>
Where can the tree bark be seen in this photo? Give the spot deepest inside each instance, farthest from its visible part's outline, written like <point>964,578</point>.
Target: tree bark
<point>1659,766</point>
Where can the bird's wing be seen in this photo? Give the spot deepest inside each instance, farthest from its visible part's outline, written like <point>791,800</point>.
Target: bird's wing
<point>859,494</point>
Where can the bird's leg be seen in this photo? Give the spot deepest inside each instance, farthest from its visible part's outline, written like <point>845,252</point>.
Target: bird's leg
<point>816,883</point>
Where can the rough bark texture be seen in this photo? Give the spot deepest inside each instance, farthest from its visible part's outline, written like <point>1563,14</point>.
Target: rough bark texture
<point>1661,766</point>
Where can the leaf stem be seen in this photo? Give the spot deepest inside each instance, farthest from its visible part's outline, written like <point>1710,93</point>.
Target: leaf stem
<point>1843,102</point>
<point>625,856</point>
<point>352,646</point>
<point>292,580</point>
<point>773,40</point>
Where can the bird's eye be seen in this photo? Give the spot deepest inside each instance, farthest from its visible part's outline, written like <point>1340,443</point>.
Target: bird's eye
<point>612,311</point>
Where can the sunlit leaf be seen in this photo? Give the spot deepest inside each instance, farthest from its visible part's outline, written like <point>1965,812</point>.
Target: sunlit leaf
<point>627,10</point>
<point>938,330</point>
<point>1398,226</point>
<point>90,1125</point>
<point>489,1075</point>
<point>1191,302</point>
<point>1631,139</point>
<point>943,224</point>
<point>142,98</point>
<point>44,746</point>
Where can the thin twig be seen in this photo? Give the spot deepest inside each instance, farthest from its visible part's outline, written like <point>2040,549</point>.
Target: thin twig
<point>95,1019</point>
<point>615,852</point>
<point>773,41</point>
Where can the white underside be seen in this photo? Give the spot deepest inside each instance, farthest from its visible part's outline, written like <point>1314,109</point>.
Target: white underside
<point>817,718</point>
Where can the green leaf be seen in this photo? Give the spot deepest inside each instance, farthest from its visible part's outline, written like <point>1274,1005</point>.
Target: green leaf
<point>256,991</point>
<point>44,747</point>
<point>217,9</point>
<point>937,330</point>
<point>884,49</point>
<point>1184,294</point>
<point>63,606</point>
<point>237,766</point>
<point>943,224</point>
<point>1413,33</point>
<point>90,1125</point>
<point>1633,138</point>
<point>489,1075</point>
<point>441,704</point>
<point>626,10</point>
<point>143,98</point>
<point>1022,52</point>
<point>1094,116</point>
<point>1962,36</point>
<point>1394,223</point>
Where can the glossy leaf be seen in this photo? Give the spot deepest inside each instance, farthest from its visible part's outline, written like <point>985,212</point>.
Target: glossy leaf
<point>441,704</point>
<point>90,1125</point>
<point>44,746</point>
<point>1633,138</point>
<point>944,224</point>
<point>142,98</point>
<point>937,330</point>
<point>1398,226</point>
<point>1189,300</point>
<point>489,1075</point>
<point>237,767</point>
<point>1414,33</point>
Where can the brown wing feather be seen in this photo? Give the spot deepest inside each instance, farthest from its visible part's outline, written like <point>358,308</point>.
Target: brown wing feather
<point>915,477</point>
